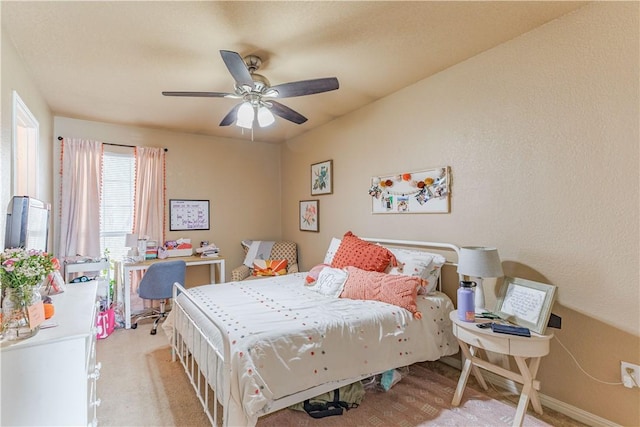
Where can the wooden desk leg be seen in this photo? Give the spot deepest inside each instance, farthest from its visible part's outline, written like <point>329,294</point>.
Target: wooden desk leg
<point>462,382</point>
<point>534,364</point>
<point>126,301</point>
<point>528,391</point>
<point>469,353</point>
<point>476,371</point>
<point>212,273</point>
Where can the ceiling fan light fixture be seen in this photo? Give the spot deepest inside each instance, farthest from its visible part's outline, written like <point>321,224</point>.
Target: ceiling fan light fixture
<point>265,117</point>
<point>258,95</point>
<point>245,116</point>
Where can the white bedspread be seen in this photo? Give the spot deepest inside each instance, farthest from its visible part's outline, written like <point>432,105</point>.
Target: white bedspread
<point>285,338</point>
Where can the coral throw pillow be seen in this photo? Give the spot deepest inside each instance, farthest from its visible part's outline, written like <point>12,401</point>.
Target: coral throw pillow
<point>398,290</point>
<point>356,252</point>
<point>269,267</point>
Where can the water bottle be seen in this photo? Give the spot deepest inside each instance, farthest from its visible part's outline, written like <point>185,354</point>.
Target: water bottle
<point>466,298</point>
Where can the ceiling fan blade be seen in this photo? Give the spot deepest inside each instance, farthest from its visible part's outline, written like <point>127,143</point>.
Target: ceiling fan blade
<point>286,113</point>
<point>202,94</point>
<point>231,116</point>
<point>306,87</point>
<point>237,68</point>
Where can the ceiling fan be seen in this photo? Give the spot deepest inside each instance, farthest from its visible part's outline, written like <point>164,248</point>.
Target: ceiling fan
<point>258,96</point>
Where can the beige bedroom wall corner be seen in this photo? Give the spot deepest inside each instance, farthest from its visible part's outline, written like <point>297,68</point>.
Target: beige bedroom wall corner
<point>542,137</point>
<point>240,178</point>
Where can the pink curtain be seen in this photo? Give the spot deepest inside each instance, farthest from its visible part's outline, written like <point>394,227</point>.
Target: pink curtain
<point>80,191</point>
<point>149,193</point>
<point>149,203</point>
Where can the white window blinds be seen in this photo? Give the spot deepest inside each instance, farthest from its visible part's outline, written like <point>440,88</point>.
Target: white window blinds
<point>116,214</point>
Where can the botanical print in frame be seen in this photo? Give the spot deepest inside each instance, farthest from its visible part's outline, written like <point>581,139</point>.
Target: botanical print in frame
<point>425,191</point>
<point>322,178</point>
<point>309,215</point>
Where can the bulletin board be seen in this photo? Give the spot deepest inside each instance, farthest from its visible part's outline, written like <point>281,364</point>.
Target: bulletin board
<point>188,214</point>
<point>425,191</point>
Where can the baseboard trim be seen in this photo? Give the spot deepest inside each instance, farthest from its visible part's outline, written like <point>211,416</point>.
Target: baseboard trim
<point>547,401</point>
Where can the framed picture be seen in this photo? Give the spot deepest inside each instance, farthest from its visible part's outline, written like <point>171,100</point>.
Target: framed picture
<point>188,215</point>
<point>322,178</point>
<point>425,191</point>
<point>526,303</point>
<point>309,215</point>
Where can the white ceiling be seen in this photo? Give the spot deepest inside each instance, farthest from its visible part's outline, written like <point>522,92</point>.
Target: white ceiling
<point>109,61</point>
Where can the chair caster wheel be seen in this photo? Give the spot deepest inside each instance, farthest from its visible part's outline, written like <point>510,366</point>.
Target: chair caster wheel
<point>134,325</point>
<point>153,332</point>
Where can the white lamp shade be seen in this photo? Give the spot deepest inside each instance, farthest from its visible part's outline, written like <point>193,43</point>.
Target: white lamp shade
<point>245,116</point>
<point>478,261</point>
<point>131,241</point>
<point>265,117</point>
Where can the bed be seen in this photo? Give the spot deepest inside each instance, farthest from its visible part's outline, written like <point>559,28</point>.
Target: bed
<point>254,347</point>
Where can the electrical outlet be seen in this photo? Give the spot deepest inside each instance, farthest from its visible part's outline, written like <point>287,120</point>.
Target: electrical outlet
<point>630,374</point>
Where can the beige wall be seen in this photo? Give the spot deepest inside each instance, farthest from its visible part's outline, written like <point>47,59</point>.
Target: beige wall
<point>240,178</point>
<point>15,78</point>
<point>542,137</point>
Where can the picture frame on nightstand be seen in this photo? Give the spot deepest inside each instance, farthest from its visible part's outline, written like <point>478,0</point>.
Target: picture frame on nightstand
<point>526,303</point>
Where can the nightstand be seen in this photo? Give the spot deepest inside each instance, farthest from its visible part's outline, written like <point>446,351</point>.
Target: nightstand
<point>471,339</point>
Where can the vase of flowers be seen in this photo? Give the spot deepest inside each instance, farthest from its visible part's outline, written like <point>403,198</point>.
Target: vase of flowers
<point>22,272</point>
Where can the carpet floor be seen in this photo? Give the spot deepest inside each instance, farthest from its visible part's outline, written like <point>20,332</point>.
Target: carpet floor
<point>140,386</point>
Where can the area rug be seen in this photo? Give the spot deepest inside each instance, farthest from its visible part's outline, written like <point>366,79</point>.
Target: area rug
<point>421,398</point>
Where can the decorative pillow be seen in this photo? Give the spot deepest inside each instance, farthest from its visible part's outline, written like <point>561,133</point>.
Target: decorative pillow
<point>422,264</point>
<point>331,251</point>
<point>364,255</point>
<point>269,267</point>
<point>398,290</point>
<point>433,275</point>
<point>411,263</point>
<point>312,275</point>
<point>330,282</point>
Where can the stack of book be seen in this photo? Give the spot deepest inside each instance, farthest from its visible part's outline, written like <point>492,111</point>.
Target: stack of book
<point>208,251</point>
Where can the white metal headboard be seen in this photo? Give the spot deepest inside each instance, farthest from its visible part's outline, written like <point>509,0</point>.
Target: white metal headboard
<point>423,245</point>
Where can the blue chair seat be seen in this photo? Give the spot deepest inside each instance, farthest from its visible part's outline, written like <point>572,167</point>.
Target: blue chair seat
<point>157,284</point>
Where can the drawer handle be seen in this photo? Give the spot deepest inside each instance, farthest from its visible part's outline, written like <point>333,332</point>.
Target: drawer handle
<point>96,372</point>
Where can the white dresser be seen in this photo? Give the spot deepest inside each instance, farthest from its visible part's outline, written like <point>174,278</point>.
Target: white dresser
<point>50,379</point>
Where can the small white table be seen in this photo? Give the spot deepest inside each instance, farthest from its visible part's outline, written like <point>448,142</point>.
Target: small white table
<point>124,278</point>
<point>471,339</point>
<point>85,266</point>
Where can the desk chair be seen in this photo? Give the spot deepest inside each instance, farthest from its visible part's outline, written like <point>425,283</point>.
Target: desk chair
<point>157,284</point>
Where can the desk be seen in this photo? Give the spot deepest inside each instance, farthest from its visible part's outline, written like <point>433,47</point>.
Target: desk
<point>125,268</point>
<point>472,338</point>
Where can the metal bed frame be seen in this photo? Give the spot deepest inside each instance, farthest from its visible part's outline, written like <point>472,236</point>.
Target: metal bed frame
<point>214,393</point>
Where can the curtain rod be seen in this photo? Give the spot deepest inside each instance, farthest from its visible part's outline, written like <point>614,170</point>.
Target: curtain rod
<point>116,145</point>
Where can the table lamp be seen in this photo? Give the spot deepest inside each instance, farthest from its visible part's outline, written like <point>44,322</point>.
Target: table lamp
<point>131,242</point>
<point>479,262</point>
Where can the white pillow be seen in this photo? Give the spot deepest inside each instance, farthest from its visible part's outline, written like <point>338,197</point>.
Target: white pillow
<point>331,251</point>
<point>411,263</point>
<point>434,274</point>
<point>424,265</point>
<point>330,282</point>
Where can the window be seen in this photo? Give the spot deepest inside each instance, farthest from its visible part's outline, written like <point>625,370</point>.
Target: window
<point>25,149</point>
<point>116,213</point>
